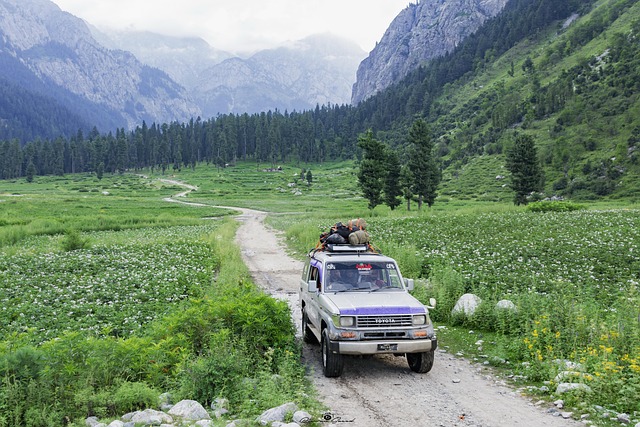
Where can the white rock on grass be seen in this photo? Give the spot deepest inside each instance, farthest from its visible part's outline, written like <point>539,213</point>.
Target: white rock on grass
<point>276,414</point>
<point>505,304</point>
<point>189,410</point>
<point>467,304</point>
<point>301,417</point>
<point>565,387</point>
<point>151,417</point>
<point>624,418</point>
<point>91,421</point>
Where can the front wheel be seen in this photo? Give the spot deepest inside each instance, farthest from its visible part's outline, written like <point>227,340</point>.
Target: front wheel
<point>332,363</point>
<point>421,362</point>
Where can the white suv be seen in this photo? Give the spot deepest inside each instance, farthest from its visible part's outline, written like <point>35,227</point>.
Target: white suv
<point>355,302</point>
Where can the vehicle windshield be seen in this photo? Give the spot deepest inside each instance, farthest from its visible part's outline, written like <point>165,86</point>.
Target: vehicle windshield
<point>362,276</point>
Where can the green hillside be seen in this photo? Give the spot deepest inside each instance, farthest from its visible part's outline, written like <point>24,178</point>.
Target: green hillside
<point>575,89</point>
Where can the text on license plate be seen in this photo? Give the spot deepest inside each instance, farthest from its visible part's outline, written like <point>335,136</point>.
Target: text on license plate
<point>387,347</point>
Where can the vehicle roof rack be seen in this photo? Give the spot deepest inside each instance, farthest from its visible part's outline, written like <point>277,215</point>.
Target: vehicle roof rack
<point>347,248</point>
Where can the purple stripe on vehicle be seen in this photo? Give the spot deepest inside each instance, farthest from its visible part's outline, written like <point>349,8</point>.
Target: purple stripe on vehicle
<point>373,311</point>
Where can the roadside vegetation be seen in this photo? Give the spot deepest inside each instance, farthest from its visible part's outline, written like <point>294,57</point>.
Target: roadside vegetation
<point>101,320</point>
<point>196,326</point>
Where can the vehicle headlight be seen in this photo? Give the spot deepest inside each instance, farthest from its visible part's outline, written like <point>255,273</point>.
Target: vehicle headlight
<point>346,321</point>
<point>420,320</point>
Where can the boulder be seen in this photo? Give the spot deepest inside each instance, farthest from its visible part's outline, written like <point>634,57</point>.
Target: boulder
<point>276,414</point>
<point>566,387</point>
<point>467,305</point>
<point>505,304</point>
<point>151,417</point>
<point>302,417</point>
<point>189,410</point>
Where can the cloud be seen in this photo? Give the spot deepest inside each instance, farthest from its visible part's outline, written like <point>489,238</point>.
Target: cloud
<point>243,26</point>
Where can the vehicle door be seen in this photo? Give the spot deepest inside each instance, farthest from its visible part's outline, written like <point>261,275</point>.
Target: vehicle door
<point>312,309</point>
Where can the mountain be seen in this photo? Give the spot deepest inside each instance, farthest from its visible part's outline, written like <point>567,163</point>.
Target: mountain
<point>319,69</point>
<point>182,58</point>
<point>565,73</point>
<point>422,31</point>
<point>51,53</point>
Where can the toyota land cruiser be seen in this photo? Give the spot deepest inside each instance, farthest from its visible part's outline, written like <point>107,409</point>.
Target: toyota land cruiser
<point>355,302</point>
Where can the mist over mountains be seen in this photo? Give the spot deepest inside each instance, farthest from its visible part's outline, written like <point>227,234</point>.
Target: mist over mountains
<point>80,77</point>
<point>319,69</point>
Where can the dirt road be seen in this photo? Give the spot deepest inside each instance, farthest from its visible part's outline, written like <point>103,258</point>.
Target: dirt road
<point>382,391</point>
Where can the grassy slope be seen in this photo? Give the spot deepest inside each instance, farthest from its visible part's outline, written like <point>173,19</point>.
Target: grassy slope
<point>475,178</point>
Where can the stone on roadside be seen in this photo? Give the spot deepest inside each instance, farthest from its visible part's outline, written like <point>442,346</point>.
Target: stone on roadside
<point>624,418</point>
<point>276,414</point>
<point>189,410</point>
<point>91,421</point>
<point>165,401</point>
<point>466,304</point>
<point>565,387</point>
<point>151,417</point>
<point>301,417</point>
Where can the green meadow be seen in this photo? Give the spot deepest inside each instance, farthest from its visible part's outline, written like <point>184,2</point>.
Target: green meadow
<point>111,295</point>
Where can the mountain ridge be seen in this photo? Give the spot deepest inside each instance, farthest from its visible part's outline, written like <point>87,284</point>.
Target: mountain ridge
<point>422,31</point>
<point>58,48</point>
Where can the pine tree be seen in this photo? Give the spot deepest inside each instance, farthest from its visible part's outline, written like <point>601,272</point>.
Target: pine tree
<point>526,172</point>
<point>392,188</point>
<point>406,183</point>
<point>371,173</point>
<point>425,171</point>
<point>31,171</point>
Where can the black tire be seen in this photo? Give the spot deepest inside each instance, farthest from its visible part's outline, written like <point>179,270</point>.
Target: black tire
<point>421,362</point>
<point>332,363</point>
<point>307,335</point>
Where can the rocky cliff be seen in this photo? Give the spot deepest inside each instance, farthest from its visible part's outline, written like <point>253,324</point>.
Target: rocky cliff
<point>422,31</point>
<point>59,50</point>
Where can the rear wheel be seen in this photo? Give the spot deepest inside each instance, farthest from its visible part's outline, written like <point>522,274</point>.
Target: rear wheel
<point>332,363</point>
<point>421,362</point>
<point>307,335</point>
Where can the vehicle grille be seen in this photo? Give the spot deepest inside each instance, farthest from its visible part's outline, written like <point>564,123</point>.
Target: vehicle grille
<point>384,321</point>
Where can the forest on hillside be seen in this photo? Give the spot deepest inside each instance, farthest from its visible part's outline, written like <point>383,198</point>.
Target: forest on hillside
<point>555,85</point>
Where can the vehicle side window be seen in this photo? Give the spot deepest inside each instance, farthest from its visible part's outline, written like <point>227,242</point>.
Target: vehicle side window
<point>314,274</point>
<point>305,272</point>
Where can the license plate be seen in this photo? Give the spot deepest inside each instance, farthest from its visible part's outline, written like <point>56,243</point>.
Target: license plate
<point>387,347</point>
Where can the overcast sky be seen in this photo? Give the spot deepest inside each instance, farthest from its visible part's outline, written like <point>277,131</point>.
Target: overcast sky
<point>244,25</point>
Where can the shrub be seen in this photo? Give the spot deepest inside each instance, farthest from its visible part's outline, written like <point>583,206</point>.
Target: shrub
<point>134,396</point>
<point>554,206</point>
<point>72,241</point>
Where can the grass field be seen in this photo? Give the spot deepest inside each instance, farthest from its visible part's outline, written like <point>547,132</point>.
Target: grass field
<point>113,262</point>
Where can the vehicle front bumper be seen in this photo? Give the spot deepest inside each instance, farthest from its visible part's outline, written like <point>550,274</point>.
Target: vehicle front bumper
<point>383,347</point>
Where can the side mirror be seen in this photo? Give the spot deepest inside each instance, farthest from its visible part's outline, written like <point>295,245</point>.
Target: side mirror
<point>432,303</point>
<point>408,283</point>
<point>312,286</point>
